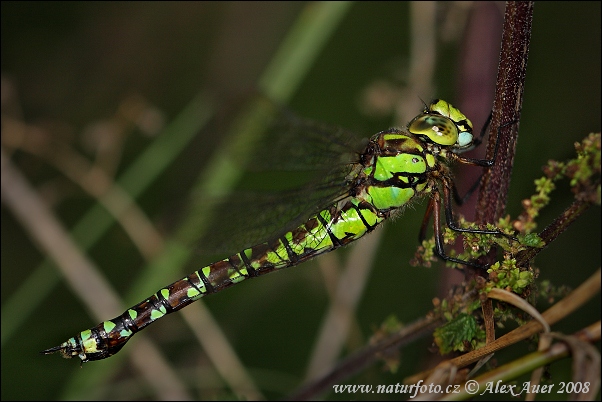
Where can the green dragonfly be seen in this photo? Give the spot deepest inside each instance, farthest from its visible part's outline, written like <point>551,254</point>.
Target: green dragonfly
<point>395,167</point>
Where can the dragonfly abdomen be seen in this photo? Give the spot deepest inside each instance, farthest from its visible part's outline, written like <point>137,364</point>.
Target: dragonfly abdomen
<point>329,229</point>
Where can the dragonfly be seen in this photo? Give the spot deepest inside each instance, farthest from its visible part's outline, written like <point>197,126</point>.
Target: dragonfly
<point>395,167</point>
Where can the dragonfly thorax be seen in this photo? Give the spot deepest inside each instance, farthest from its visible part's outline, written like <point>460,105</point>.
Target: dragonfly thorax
<point>396,167</point>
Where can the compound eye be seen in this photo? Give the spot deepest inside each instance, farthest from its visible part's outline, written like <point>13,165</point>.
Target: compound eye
<point>438,129</point>
<point>464,139</point>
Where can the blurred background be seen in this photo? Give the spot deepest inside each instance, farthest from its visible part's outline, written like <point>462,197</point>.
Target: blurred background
<point>89,88</point>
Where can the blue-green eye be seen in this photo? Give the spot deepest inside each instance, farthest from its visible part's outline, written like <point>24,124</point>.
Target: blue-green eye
<point>464,139</point>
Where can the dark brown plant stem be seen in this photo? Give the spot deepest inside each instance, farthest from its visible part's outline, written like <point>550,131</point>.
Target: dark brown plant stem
<point>553,230</point>
<point>506,110</point>
<point>504,124</point>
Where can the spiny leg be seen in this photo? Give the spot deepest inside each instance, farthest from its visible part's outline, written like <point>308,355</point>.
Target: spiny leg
<point>451,222</point>
<point>434,208</point>
<point>439,244</point>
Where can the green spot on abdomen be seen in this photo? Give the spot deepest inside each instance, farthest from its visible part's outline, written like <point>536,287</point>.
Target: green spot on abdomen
<point>279,256</point>
<point>193,293</point>
<point>156,314</point>
<point>206,271</point>
<point>108,325</point>
<point>89,344</point>
<point>85,335</point>
<point>125,333</point>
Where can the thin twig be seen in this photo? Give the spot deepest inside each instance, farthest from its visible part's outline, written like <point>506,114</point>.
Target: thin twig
<point>554,229</point>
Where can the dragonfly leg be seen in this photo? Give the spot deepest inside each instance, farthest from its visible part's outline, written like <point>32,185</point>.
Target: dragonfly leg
<point>439,244</point>
<point>434,208</point>
<point>451,222</point>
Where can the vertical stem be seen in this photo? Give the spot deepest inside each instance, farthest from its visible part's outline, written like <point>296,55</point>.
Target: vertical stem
<point>506,109</point>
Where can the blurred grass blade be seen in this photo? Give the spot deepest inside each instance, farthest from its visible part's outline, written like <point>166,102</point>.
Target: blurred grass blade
<point>95,223</point>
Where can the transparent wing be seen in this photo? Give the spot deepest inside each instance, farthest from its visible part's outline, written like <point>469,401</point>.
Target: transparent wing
<point>296,144</point>
<point>309,161</point>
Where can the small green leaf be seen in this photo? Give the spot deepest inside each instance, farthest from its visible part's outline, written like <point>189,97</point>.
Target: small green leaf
<point>453,335</point>
<point>531,240</point>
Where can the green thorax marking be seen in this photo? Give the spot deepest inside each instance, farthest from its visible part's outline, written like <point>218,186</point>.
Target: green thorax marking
<point>396,168</point>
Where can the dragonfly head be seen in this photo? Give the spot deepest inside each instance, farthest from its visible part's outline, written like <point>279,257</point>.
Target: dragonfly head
<point>443,124</point>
